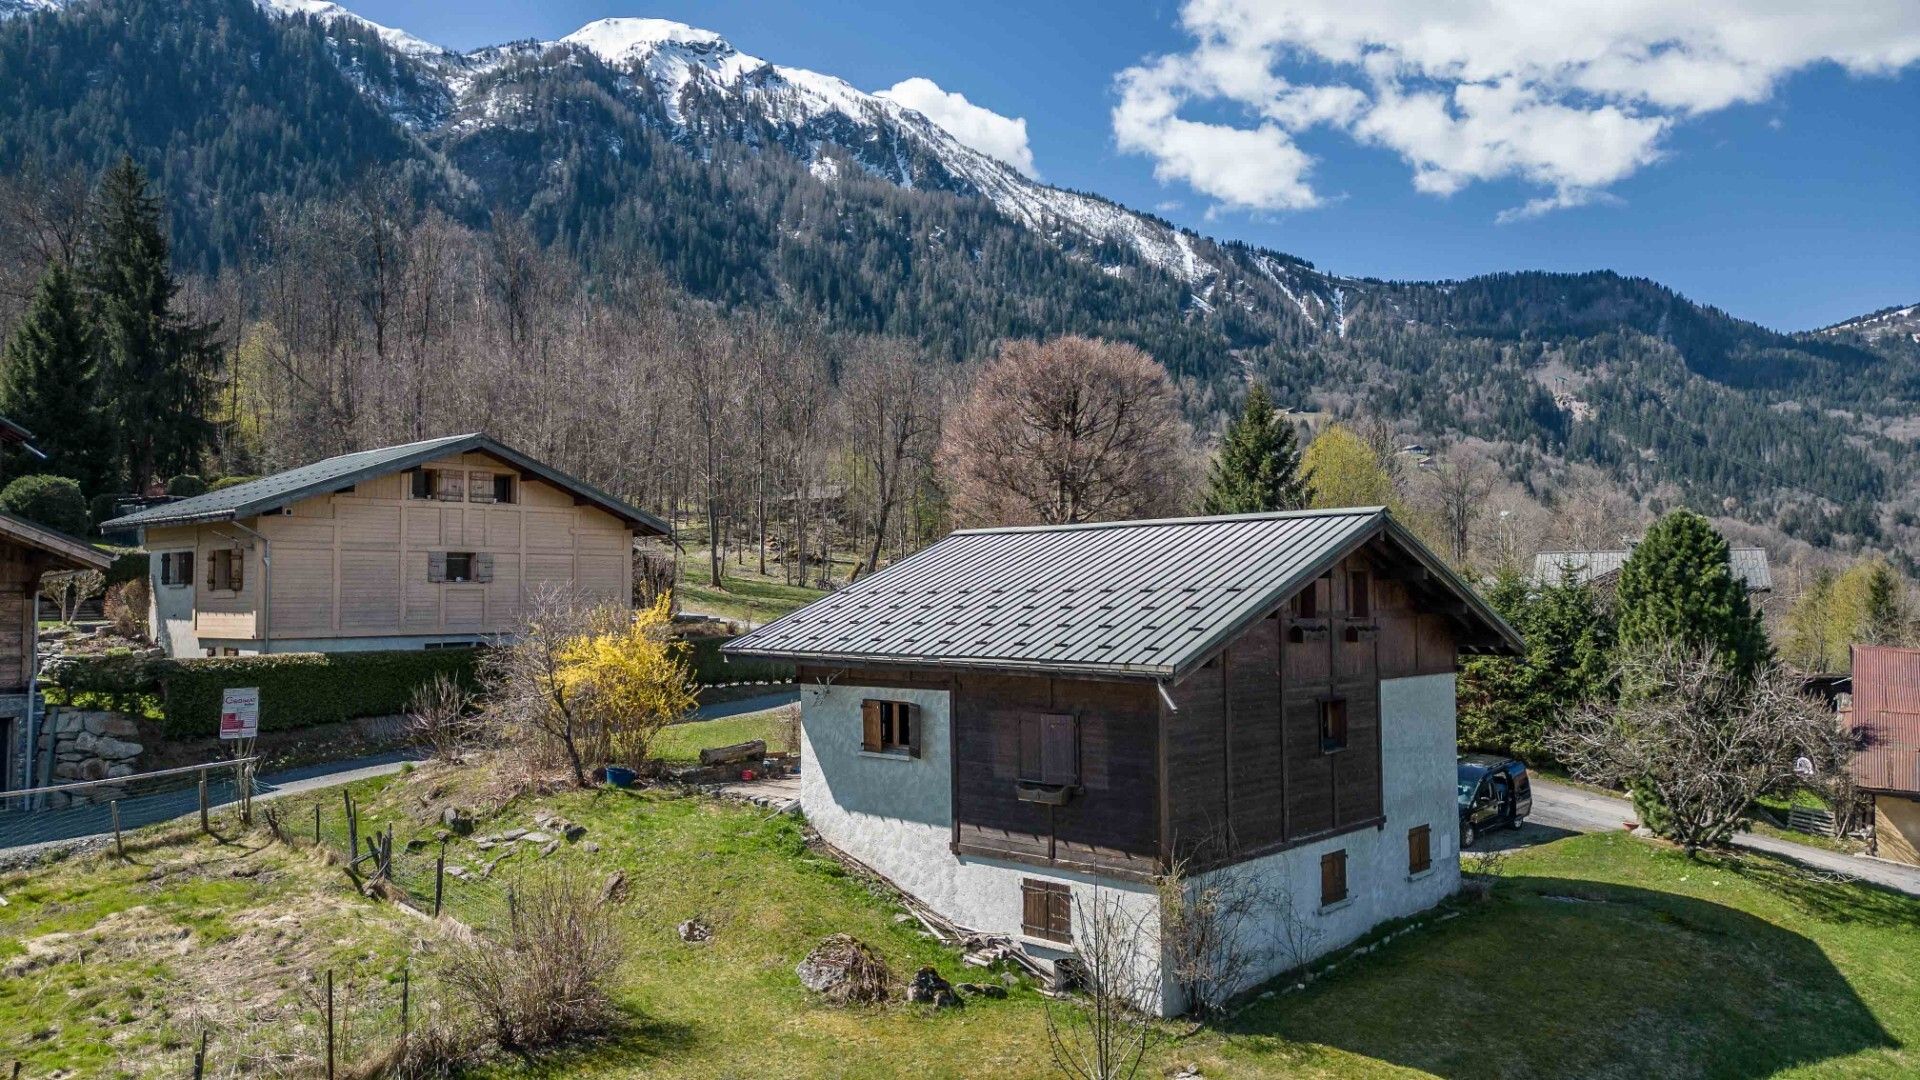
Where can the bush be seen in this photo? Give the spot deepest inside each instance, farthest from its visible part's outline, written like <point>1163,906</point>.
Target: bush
<point>53,501</point>
<point>710,668</point>
<point>296,689</point>
<point>186,486</point>
<point>230,481</point>
<point>126,609</point>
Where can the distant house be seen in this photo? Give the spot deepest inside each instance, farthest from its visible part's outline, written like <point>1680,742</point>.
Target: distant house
<point>428,544</point>
<point>1014,723</point>
<point>28,551</point>
<point>1886,710</point>
<point>1602,568</point>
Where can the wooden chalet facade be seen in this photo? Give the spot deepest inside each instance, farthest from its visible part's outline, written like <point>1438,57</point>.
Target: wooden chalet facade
<point>28,551</point>
<point>1270,694</point>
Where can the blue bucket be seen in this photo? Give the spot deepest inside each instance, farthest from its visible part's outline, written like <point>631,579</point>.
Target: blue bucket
<point>620,776</point>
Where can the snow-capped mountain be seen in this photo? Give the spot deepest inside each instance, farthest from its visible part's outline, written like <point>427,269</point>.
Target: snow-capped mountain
<point>1885,323</point>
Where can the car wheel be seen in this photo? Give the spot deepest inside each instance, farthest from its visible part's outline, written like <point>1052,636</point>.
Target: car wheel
<point>1517,823</point>
<point>1468,834</point>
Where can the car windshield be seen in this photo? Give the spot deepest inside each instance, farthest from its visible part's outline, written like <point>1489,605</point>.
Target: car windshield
<point>1469,783</point>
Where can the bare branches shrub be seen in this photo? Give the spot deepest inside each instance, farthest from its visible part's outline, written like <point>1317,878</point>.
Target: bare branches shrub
<point>71,588</point>
<point>1697,742</point>
<point>1207,926</point>
<point>125,607</point>
<point>440,718</point>
<point>1105,1033</point>
<point>545,979</point>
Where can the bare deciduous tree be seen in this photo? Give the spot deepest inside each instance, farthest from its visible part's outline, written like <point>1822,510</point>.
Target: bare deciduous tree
<point>1697,742</point>
<point>1209,925</point>
<point>1068,430</point>
<point>439,717</point>
<point>1105,1034</point>
<point>892,400</point>
<point>530,700</point>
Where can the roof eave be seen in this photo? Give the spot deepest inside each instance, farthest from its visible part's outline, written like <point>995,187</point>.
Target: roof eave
<point>965,663</point>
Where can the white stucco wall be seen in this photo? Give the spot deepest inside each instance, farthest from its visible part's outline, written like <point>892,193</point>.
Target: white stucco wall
<point>170,612</point>
<point>896,814</point>
<point>1418,756</point>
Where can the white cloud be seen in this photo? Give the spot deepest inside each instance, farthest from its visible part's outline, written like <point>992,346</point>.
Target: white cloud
<point>1568,96</point>
<point>1001,137</point>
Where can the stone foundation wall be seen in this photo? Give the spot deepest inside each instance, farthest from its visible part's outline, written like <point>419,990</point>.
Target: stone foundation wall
<point>88,745</point>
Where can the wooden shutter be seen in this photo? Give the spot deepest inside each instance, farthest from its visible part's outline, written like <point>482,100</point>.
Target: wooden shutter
<point>1046,910</point>
<point>1033,908</point>
<point>451,486</point>
<point>1419,849</point>
<point>436,566</point>
<point>213,569</point>
<point>237,569</point>
<point>870,726</point>
<point>1060,750</point>
<point>1333,877</point>
<point>480,487</point>
<point>910,715</point>
<point>1060,913</point>
<point>483,566</point>
<point>183,569</point>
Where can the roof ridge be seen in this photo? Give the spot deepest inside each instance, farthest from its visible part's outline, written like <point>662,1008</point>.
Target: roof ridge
<point>1136,523</point>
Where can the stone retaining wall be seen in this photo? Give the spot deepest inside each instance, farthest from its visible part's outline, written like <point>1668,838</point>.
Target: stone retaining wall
<point>88,745</point>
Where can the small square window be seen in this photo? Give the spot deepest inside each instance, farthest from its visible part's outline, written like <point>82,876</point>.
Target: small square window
<point>421,483</point>
<point>459,566</point>
<point>1046,910</point>
<point>887,726</point>
<point>502,488</point>
<point>1333,725</point>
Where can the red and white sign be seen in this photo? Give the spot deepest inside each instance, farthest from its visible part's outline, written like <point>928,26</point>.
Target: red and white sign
<point>240,712</point>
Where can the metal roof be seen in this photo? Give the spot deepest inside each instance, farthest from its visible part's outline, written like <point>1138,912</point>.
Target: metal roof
<point>1748,564</point>
<point>1132,598</point>
<point>331,474</point>
<point>1886,708</point>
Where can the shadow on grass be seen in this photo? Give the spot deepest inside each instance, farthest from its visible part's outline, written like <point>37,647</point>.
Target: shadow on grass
<point>1821,895</point>
<point>634,1042</point>
<point>1567,978</point>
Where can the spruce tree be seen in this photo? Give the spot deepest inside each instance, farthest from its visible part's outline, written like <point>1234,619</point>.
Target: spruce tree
<point>1258,466</point>
<point>49,384</point>
<point>1678,585</point>
<point>156,365</point>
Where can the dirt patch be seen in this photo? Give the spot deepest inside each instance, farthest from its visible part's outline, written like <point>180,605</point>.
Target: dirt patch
<point>136,933</point>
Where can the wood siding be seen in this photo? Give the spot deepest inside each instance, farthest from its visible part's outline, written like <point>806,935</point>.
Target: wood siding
<point>20,570</point>
<point>355,563</point>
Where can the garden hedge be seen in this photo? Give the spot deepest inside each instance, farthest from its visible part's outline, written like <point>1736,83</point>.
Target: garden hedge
<point>296,689</point>
<point>709,667</point>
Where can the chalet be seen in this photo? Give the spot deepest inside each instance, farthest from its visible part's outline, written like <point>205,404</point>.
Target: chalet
<point>1886,712</point>
<point>1014,718</point>
<point>28,551</point>
<point>424,545</point>
<point>1602,568</point>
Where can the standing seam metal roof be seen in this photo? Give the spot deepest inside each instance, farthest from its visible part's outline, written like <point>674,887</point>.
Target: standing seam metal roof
<point>1749,564</point>
<point>1136,597</point>
<point>331,474</point>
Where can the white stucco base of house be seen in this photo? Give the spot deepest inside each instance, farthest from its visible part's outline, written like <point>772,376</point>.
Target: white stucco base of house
<point>394,642</point>
<point>895,813</point>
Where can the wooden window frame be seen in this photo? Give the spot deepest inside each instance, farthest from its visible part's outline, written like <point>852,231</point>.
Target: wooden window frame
<point>176,569</point>
<point>890,726</point>
<point>506,488</point>
<point>466,578</point>
<point>1334,731</point>
<point>227,570</point>
<point>1333,878</point>
<point>1419,850</point>
<point>1046,911</point>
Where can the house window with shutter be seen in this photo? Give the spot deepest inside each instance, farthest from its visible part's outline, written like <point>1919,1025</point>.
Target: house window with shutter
<point>422,483</point>
<point>176,568</point>
<point>1333,878</point>
<point>502,488</point>
<point>226,570</point>
<point>450,485</point>
<point>480,487</point>
<point>1046,911</point>
<point>1333,725</point>
<point>457,566</point>
<point>1050,749</point>
<point>1419,849</point>
<point>889,727</point>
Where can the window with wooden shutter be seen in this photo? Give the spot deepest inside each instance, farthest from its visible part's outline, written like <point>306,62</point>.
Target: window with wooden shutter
<point>450,486</point>
<point>480,487</point>
<point>1333,878</point>
<point>483,566</point>
<point>870,726</point>
<point>1046,910</point>
<point>502,488</point>
<point>1419,849</point>
<point>889,727</point>
<point>237,569</point>
<point>1333,725</point>
<point>176,568</point>
<point>456,566</point>
<point>1050,749</point>
<point>436,566</point>
<point>225,569</point>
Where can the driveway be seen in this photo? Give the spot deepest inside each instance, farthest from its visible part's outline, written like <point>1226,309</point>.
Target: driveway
<point>1563,809</point>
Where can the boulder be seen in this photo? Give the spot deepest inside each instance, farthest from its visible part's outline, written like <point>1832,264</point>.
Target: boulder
<point>94,722</point>
<point>122,726</point>
<point>67,723</point>
<point>928,988</point>
<point>93,769</point>
<point>534,837</point>
<point>66,770</point>
<point>457,820</point>
<point>845,971</point>
<point>695,930</point>
<point>116,771</point>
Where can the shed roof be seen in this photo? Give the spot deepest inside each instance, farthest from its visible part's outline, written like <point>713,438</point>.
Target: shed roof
<point>332,474</point>
<point>67,552</point>
<point>1127,598</point>
<point>1886,708</point>
<point>1749,564</point>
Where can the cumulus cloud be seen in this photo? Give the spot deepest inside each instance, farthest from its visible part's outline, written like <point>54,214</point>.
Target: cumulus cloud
<point>1568,97</point>
<point>1001,137</point>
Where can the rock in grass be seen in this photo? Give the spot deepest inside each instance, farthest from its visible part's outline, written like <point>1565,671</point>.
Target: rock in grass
<point>928,988</point>
<point>695,930</point>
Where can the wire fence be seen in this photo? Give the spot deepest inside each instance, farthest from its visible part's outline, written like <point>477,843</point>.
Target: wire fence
<point>115,804</point>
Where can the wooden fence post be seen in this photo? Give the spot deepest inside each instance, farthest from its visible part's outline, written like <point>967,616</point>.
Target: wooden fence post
<point>439,877</point>
<point>405,1000</point>
<point>329,1024</point>
<point>205,827</point>
<point>316,823</point>
<point>353,828</point>
<point>200,1057</point>
<point>118,848</point>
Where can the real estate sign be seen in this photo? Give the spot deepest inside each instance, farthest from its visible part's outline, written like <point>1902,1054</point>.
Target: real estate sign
<point>240,712</point>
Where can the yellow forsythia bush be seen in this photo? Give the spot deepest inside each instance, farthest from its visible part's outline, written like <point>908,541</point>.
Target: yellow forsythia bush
<point>629,681</point>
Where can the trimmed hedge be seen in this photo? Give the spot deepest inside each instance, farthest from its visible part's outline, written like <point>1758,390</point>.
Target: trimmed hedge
<point>296,689</point>
<point>709,667</point>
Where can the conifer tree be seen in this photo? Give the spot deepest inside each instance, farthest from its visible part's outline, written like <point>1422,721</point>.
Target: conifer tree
<point>1258,466</point>
<point>1678,585</point>
<point>49,385</point>
<point>156,364</point>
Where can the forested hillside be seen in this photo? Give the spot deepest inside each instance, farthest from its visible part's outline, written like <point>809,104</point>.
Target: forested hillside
<point>295,152</point>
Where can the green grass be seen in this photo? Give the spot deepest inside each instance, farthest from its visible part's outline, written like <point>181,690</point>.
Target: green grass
<point>682,743</point>
<point>1597,955</point>
<point>745,595</point>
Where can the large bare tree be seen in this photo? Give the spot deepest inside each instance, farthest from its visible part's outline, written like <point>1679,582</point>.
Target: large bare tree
<point>892,399</point>
<point>1068,430</point>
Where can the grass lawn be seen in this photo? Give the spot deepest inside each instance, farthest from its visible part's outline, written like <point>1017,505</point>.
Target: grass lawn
<point>1597,956</point>
<point>746,595</point>
<point>682,743</point>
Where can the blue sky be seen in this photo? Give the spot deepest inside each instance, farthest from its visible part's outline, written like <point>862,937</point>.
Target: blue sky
<point>1780,186</point>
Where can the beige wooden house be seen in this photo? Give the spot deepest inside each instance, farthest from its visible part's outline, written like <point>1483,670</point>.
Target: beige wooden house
<point>424,545</point>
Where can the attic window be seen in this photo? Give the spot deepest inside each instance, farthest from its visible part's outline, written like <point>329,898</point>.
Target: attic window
<point>1359,595</point>
<point>1306,605</point>
<point>1333,725</point>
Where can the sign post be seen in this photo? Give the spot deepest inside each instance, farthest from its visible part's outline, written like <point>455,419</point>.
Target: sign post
<point>240,721</point>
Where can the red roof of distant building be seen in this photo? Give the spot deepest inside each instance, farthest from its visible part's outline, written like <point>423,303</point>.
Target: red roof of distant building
<point>1886,706</point>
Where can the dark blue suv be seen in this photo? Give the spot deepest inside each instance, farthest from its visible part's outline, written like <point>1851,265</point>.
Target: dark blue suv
<point>1493,791</point>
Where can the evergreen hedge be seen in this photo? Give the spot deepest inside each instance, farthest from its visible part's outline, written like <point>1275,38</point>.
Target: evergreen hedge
<point>709,667</point>
<point>296,689</point>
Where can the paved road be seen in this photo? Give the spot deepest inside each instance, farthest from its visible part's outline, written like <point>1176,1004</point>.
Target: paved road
<point>1571,809</point>
<point>722,709</point>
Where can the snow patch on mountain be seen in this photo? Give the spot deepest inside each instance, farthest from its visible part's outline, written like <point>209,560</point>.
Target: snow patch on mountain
<point>326,11</point>
<point>10,8</point>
